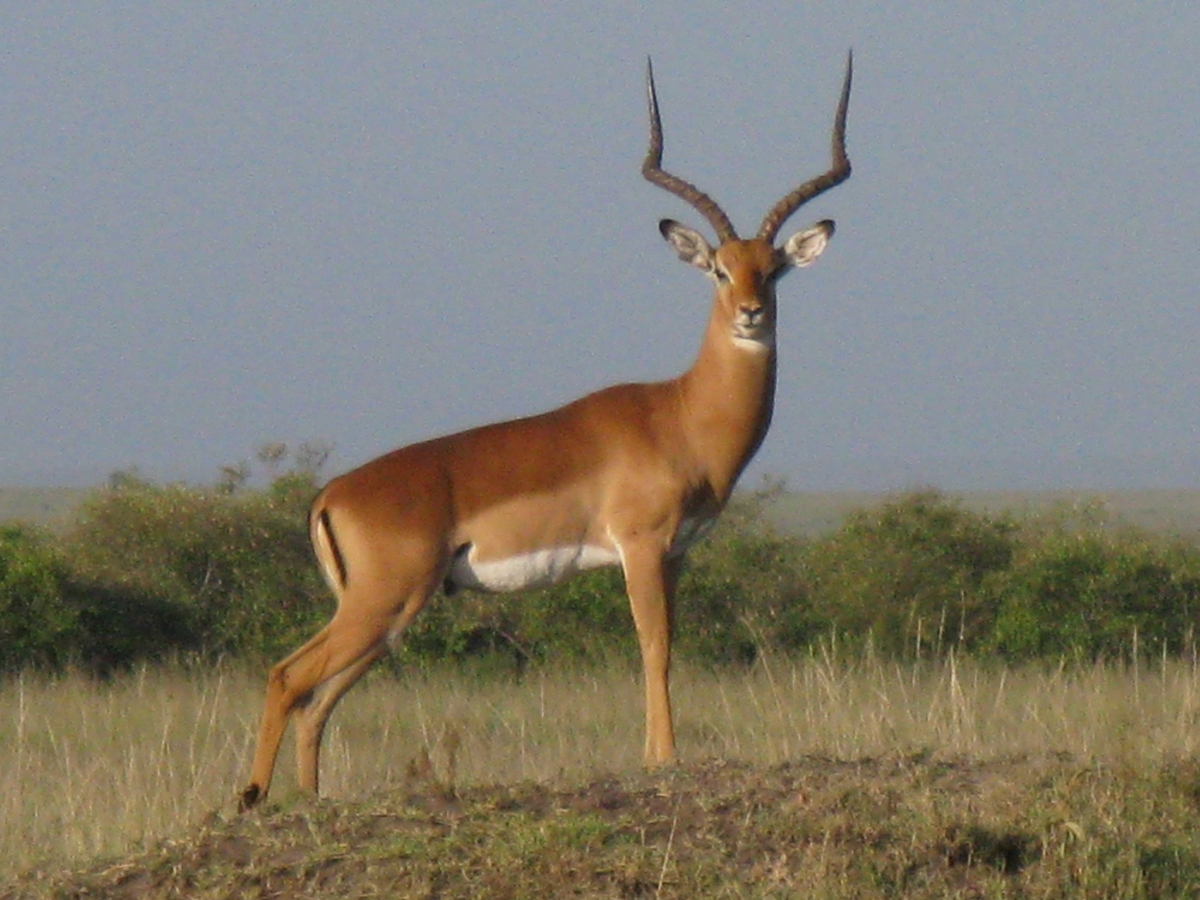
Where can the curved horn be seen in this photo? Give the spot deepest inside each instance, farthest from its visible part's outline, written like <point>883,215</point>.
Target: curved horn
<point>838,172</point>
<point>684,190</point>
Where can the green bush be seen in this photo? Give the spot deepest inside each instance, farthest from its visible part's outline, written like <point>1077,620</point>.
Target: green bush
<point>741,592</point>
<point>1073,592</point>
<point>50,617</point>
<point>151,571</point>
<point>584,620</point>
<point>38,627</point>
<point>234,569</point>
<point>908,575</point>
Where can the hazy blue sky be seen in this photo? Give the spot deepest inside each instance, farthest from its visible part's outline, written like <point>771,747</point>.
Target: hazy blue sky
<point>228,223</point>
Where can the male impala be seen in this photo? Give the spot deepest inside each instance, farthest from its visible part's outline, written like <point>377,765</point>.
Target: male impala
<point>631,475</point>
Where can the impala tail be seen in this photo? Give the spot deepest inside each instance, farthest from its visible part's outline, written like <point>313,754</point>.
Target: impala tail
<point>329,553</point>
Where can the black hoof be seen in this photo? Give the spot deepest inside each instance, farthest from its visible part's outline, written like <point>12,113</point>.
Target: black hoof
<point>250,796</point>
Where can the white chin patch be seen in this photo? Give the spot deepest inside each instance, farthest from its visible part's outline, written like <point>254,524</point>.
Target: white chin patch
<point>526,571</point>
<point>756,344</point>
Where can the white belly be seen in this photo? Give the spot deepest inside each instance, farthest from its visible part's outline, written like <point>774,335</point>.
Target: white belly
<point>539,568</point>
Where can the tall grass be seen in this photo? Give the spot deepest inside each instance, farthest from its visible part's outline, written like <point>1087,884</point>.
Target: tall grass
<point>97,768</point>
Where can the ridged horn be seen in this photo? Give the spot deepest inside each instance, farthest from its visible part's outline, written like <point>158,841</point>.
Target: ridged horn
<point>684,190</point>
<point>838,172</point>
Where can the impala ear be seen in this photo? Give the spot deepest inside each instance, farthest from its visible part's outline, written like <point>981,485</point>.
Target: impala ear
<point>691,247</point>
<point>803,248</point>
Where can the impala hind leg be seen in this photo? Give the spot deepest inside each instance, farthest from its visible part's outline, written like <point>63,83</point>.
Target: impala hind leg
<point>650,581</point>
<point>339,650</point>
<point>312,716</point>
<point>282,697</point>
<point>310,682</point>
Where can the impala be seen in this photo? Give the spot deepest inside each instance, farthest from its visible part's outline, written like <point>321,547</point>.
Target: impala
<point>631,475</point>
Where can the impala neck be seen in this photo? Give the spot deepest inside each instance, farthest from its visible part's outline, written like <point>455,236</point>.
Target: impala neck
<point>728,396</point>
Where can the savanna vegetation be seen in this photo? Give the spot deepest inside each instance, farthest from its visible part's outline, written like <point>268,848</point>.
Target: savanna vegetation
<point>150,571</point>
<point>826,774</point>
<point>927,700</point>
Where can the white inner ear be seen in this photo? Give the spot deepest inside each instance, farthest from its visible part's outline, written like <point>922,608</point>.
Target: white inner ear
<point>690,245</point>
<point>803,248</point>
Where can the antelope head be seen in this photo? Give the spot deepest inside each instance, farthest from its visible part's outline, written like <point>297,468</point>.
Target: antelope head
<point>745,270</point>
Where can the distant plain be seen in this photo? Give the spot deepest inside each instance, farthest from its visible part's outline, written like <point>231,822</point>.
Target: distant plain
<point>804,513</point>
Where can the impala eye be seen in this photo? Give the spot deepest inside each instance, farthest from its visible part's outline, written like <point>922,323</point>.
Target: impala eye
<point>722,275</point>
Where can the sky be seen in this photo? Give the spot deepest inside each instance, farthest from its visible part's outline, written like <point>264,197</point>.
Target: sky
<point>224,224</point>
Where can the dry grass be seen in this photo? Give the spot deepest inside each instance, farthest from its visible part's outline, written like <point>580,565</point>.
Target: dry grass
<point>92,768</point>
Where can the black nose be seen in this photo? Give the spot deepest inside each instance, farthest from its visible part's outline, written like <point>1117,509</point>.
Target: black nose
<point>752,314</point>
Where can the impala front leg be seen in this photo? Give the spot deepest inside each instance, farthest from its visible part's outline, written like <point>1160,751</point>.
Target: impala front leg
<point>650,580</point>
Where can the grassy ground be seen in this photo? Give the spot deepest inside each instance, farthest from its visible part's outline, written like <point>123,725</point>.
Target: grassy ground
<point>815,777</point>
<point>888,827</point>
